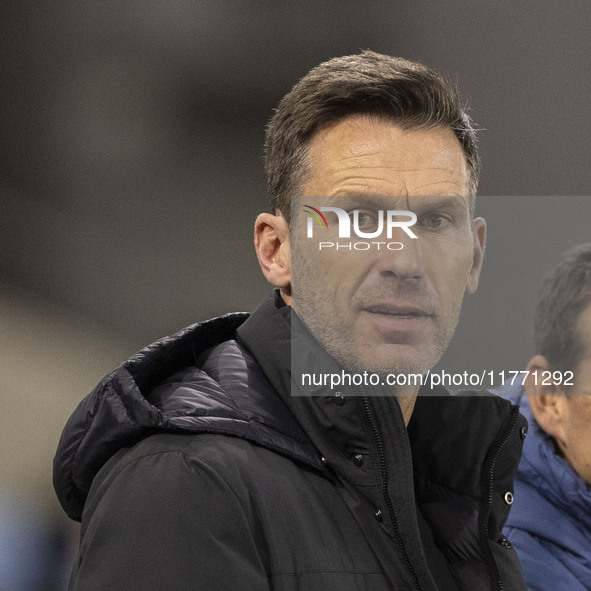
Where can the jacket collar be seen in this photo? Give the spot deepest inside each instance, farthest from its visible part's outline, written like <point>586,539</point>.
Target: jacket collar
<point>285,349</point>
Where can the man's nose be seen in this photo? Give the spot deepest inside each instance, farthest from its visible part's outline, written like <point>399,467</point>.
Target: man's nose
<point>405,262</point>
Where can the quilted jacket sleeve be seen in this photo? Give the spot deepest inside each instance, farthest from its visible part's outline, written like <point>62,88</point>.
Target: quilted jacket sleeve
<point>163,521</point>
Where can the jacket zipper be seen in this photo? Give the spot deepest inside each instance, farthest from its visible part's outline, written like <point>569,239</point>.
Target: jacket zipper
<point>384,480</point>
<point>493,564</point>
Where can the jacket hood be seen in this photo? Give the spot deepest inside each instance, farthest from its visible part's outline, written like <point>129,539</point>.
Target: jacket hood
<point>197,380</point>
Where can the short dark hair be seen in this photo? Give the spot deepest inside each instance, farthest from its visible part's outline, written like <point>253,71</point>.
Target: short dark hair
<point>391,88</point>
<point>564,296</point>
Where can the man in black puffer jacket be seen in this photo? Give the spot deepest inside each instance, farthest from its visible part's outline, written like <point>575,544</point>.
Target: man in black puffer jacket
<point>221,458</point>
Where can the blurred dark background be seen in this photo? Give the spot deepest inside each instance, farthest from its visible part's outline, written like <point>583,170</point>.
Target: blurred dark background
<point>131,176</point>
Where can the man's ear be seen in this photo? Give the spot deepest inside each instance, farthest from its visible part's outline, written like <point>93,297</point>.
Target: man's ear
<point>479,246</point>
<point>547,401</point>
<point>272,244</point>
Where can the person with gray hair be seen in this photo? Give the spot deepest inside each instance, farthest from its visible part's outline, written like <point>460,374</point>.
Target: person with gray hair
<point>550,522</point>
<point>208,461</point>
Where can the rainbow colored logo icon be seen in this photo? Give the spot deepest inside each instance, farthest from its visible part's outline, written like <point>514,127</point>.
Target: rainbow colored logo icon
<point>317,215</point>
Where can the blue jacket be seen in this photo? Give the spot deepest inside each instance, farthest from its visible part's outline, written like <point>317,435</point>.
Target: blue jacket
<point>550,520</point>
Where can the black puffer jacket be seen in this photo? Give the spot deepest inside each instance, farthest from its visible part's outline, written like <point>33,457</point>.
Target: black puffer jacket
<point>192,468</point>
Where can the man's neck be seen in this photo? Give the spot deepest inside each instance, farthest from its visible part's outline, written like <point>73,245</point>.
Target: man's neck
<point>407,404</point>
<point>406,399</point>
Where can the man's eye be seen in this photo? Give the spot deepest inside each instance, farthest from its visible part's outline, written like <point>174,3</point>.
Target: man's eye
<point>435,221</point>
<point>364,220</point>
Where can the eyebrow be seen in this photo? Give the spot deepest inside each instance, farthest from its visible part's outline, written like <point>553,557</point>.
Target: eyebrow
<point>455,201</point>
<point>384,201</point>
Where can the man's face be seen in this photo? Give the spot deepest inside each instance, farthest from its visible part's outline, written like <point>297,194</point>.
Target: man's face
<point>384,310</point>
<point>576,435</point>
